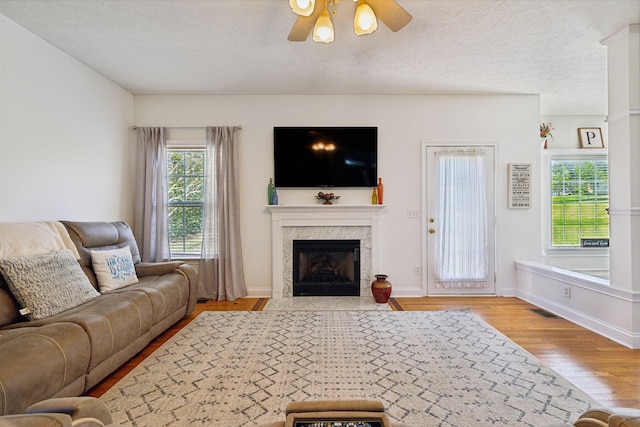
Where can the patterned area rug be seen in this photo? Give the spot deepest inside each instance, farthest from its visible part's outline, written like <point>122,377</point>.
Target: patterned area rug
<point>445,368</point>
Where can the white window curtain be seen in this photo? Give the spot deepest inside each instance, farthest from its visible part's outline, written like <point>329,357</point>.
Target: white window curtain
<point>221,274</point>
<point>461,259</point>
<point>150,209</point>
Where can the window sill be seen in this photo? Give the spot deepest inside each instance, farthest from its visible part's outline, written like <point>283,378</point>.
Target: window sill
<point>186,258</point>
<point>577,251</point>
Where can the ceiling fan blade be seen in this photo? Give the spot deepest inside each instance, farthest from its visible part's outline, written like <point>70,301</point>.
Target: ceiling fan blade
<point>304,24</point>
<point>390,13</point>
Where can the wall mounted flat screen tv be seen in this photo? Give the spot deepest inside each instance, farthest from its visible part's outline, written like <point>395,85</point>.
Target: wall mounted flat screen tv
<point>325,156</point>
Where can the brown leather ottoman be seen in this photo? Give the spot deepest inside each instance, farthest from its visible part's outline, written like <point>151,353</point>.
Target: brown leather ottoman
<point>325,413</point>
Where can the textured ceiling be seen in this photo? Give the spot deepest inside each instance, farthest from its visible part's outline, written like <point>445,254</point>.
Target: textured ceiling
<point>547,47</point>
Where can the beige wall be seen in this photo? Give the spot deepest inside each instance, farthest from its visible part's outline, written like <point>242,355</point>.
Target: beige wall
<point>64,135</point>
<point>403,122</point>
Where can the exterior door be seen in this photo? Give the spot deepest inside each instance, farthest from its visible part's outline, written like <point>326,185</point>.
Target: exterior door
<point>460,220</point>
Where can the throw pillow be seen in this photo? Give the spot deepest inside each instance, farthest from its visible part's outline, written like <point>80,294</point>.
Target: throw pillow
<point>114,268</point>
<point>47,284</point>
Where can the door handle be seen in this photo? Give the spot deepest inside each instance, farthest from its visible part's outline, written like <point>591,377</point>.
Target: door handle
<point>432,230</point>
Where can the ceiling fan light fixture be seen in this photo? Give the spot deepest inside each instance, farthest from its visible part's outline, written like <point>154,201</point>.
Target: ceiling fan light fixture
<point>365,21</point>
<point>302,7</point>
<point>323,30</point>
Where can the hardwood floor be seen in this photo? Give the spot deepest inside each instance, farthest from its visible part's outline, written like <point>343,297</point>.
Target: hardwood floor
<point>607,371</point>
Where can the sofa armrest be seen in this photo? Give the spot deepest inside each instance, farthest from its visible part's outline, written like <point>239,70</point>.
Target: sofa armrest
<point>34,420</point>
<point>609,417</point>
<point>83,407</point>
<point>625,418</point>
<point>336,409</point>
<point>335,405</point>
<point>600,414</point>
<point>192,275</point>
<point>157,268</point>
<point>590,422</point>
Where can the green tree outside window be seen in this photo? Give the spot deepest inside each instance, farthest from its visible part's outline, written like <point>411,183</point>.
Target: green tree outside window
<point>580,200</point>
<point>185,187</point>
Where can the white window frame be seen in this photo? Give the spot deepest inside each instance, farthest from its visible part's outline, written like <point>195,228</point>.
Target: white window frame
<point>185,144</point>
<point>569,154</point>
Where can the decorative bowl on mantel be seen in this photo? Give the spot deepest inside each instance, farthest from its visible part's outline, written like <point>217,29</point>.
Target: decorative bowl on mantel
<point>327,198</point>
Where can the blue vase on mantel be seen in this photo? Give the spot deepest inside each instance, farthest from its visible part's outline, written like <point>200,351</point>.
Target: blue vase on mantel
<point>270,189</point>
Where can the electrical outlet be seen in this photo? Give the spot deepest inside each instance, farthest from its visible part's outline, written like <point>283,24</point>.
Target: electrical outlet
<point>416,270</point>
<point>567,292</point>
<point>413,213</point>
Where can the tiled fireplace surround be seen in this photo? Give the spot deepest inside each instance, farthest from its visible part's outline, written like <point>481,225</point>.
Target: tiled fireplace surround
<point>331,222</point>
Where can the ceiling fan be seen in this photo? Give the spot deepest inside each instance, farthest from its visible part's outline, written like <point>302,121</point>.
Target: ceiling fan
<point>313,14</point>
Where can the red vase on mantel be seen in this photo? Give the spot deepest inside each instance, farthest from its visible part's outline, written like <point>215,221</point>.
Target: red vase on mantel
<point>381,289</point>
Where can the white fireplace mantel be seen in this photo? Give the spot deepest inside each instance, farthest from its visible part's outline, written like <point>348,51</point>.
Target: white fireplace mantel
<point>330,217</point>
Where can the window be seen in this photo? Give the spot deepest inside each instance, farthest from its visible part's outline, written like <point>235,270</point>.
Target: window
<point>185,187</point>
<point>579,199</point>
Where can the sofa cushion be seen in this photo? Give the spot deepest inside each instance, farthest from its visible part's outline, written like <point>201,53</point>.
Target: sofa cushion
<point>114,268</point>
<point>88,236</point>
<point>47,284</point>
<point>40,362</point>
<point>112,321</point>
<point>167,293</point>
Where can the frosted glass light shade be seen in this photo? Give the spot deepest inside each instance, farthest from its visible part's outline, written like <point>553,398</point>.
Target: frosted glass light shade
<point>302,7</point>
<point>365,21</point>
<point>323,30</point>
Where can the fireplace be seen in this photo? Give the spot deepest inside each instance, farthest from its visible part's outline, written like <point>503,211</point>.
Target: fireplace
<point>328,222</point>
<point>326,267</point>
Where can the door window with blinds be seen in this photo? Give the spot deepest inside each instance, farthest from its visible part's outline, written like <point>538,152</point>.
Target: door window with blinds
<point>579,200</point>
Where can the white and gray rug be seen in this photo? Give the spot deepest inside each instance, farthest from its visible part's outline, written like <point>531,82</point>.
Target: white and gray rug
<point>429,368</point>
<point>325,304</point>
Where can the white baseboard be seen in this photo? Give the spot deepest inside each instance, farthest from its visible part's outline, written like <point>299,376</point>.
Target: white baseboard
<point>598,326</point>
<point>258,293</point>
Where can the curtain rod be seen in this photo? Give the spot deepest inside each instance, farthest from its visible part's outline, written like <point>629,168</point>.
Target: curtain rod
<point>182,127</point>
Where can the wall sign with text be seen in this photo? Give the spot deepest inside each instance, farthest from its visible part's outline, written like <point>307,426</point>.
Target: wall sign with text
<point>590,138</point>
<point>519,185</point>
<point>594,243</point>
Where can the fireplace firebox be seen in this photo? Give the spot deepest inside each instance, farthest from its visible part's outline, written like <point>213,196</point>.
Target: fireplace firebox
<point>326,268</point>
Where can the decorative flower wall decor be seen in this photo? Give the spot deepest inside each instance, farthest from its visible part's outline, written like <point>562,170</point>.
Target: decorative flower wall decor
<point>546,129</point>
<point>545,132</point>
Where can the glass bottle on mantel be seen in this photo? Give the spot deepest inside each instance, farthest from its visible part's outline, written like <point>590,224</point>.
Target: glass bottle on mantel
<point>380,190</point>
<point>374,196</point>
<point>270,189</point>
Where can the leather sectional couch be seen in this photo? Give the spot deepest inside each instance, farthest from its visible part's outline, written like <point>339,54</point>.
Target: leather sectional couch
<point>68,353</point>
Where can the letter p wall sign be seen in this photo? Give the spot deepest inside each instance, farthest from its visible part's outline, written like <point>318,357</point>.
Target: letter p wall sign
<point>590,138</point>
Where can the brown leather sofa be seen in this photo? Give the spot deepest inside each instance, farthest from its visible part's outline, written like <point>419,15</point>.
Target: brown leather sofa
<point>70,352</point>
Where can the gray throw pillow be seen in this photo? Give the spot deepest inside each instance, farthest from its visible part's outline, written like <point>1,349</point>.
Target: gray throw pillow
<point>47,284</point>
